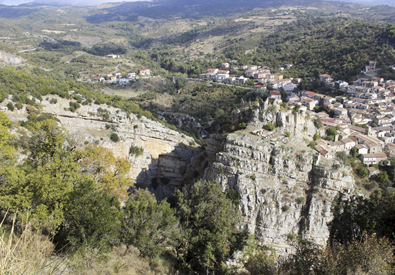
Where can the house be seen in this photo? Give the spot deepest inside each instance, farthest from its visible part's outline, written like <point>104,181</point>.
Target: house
<point>222,75</point>
<point>230,80</point>
<point>349,143</point>
<point>361,149</point>
<point>290,87</point>
<point>278,76</point>
<point>212,71</point>
<point>123,81</point>
<point>326,78</point>
<point>339,112</point>
<point>309,94</point>
<point>275,94</point>
<point>252,67</point>
<point>144,72</point>
<point>98,78</point>
<point>371,66</point>
<point>374,158</point>
<point>250,73</point>
<point>241,80</point>
<point>351,89</point>
<point>225,65</point>
<point>308,102</point>
<point>118,75</point>
<point>131,75</point>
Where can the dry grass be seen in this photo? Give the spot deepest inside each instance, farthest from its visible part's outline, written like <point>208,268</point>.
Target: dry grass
<point>31,253</point>
<point>27,253</point>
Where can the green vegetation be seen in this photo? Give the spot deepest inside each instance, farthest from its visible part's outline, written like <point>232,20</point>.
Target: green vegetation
<point>338,46</point>
<point>135,151</point>
<point>270,126</point>
<point>114,137</point>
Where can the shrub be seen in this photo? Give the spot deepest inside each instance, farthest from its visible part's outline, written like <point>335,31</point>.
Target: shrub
<point>317,123</point>
<point>362,171</point>
<point>135,151</point>
<point>270,126</point>
<point>242,125</point>
<point>313,145</point>
<point>285,208</point>
<point>114,137</point>
<point>10,106</point>
<point>287,134</point>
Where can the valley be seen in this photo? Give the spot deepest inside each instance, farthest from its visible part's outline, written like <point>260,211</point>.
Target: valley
<point>226,137</point>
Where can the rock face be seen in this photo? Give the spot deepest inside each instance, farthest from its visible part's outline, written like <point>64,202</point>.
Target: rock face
<point>10,59</point>
<point>166,153</point>
<point>283,185</point>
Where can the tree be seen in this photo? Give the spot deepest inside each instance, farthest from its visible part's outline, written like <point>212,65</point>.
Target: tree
<point>39,189</point>
<point>91,217</point>
<point>150,226</point>
<point>208,222</point>
<point>318,123</point>
<point>114,137</point>
<point>382,177</point>
<point>375,214</point>
<point>331,131</point>
<point>7,149</point>
<point>109,173</point>
<point>353,152</point>
<point>362,171</point>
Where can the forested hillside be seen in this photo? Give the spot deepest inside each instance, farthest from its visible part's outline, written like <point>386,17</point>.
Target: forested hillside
<point>337,46</point>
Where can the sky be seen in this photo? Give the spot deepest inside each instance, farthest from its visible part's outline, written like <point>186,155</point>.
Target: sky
<point>98,2</point>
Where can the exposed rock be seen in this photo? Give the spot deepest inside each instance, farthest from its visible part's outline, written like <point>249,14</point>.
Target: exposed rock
<point>284,188</point>
<point>7,58</point>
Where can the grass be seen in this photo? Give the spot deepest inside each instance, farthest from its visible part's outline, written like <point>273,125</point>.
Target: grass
<point>29,253</point>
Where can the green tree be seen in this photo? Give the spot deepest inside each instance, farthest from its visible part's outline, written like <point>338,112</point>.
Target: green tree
<point>353,152</point>
<point>208,222</point>
<point>362,171</point>
<point>39,188</point>
<point>331,131</point>
<point>375,214</point>
<point>91,217</point>
<point>318,123</point>
<point>7,149</point>
<point>150,226</point>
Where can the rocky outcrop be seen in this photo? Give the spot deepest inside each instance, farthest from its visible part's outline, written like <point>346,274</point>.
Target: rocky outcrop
<point>284,187</point>
<point>166,153</point>
<point>7,58</point>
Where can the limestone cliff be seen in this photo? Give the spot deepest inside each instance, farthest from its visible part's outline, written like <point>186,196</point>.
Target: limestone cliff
<point>284,186</point>
<point>166,153</point>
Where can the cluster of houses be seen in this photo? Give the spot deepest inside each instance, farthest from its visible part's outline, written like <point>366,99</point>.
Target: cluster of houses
<point>262,75</point>
<point>364,115</point>
<point>118,78</point>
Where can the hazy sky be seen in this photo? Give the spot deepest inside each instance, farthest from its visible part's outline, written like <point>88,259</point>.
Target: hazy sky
<point>98,2</point>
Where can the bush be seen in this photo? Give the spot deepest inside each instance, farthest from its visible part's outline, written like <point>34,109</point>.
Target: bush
<point>313,145</point>
<point>362,171</point>
<point>287,134</point>
<point>317,123</point>
<point>316,136</point>
<point>114,137</point>
<point>135,151</point>
<point>242,125</point>
<point>270,126</point>
<point>10,106</point>
<point>18,105</point>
